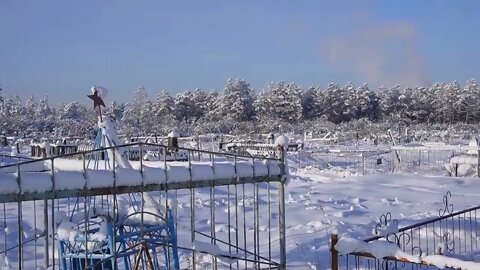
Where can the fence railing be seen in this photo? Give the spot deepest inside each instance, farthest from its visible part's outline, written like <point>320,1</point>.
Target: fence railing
<point>450,234</point>
<point>360,162</point>
<point>226,209</point>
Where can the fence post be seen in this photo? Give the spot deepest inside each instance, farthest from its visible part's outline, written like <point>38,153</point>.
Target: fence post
<point>281,212</point>
<point>478,162</point>
<point>393,162</point>
<point>333,251</point>
<point>363,163</point>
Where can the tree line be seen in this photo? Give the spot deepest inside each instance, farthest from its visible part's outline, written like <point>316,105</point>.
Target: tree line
<point>239,109</point>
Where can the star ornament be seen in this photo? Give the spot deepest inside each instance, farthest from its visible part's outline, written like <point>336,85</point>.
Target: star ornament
<point>97,100</point>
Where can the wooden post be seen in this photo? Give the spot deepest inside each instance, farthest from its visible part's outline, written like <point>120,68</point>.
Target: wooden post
<point>333,251</point>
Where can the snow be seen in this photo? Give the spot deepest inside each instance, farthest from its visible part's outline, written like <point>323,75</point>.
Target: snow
<point>320,200</point>
<point>67,231</point>
<point>68,174</point>
<point>215,251</point>
<point>323,200</point>
<point>153,175</point>
<point>35,182</point>
<point>99,178</point>
<point>69,180</point>
<point>173,134</point>
<point>282,140</point>
<point>379,249</point>
<point>442,262</point>
<point>102,91</point>
<point>465,159</point>
<point>45,145</point>
<point>128,177</point>
<point>386,229</point>
<point>8,183</point>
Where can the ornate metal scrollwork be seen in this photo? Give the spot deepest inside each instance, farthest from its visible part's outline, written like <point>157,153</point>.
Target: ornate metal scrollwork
<point>447,208</point>
<point>401,239</point>
<point>420,252</point>
<point>448,243</point>
<point>385,221</point>
<point>389,264</point>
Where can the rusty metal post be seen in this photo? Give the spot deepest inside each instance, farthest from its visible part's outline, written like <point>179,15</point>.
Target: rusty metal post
<point>333,251</point>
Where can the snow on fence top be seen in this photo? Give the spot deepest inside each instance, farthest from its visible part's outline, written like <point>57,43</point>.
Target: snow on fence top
<point>56,174</point>
<point>384,249</point>
<point>436,147</point>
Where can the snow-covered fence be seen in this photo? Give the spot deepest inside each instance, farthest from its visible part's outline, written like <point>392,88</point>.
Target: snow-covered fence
<point>354,161</point>
<point>450,240</point>
<point>228,209</point>
<point>9,159</point>
<point>434,160</point>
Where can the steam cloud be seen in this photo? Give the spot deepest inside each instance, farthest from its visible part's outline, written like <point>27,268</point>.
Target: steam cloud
<point>379,53</point>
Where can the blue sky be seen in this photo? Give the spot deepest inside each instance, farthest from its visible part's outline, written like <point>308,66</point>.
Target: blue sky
<point>61,48</point>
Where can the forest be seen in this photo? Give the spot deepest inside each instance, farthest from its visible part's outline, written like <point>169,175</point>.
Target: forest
<point>238,109</point>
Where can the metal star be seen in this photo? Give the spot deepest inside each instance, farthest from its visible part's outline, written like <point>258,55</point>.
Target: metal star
<point>97,100</point>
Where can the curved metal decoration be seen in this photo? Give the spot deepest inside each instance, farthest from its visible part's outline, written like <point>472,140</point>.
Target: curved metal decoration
<point>447,207</point>
<point>389,264</point>
<point>449,244</point>
<point>385,220</point>
<point>420,252</point>
<point>400,239</point>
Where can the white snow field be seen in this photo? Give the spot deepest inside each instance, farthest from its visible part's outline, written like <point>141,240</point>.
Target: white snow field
<point>320,200</point>
<point>323,201</point>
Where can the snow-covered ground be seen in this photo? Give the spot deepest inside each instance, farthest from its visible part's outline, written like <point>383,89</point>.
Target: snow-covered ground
<point>324,201</point>
<point>320,199</point>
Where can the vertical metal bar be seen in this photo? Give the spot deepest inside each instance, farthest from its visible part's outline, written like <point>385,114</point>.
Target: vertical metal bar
<point>192,207</point>
<point>255,251</point>
<point>45,231</point>
<point>244,226</point>
<point>363,164</point>
<point>257,221</point>
<point>167,207</point>
<point>236,206</point>
<point>281,215</point>
<point>19,223</point>
<point>333,252</point>
<point>269,225</point>
<point>212,222</point>
<point>114,238</point>
<point>35,233</point>
<point>229,223</point>
<point>5,229</point>
<point>86,229</point>
<point>212,208</point>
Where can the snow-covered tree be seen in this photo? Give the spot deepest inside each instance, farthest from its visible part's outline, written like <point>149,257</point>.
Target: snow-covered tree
<point>75,119</point>
<point>236,102</point>
<point>184,107</point>
<point>421,105</point>
<point>366,103</point>
<point>280,101</point>
<point>350,102</point>
<point>138,115</point>
<point>468,102</point>
<point>335,103</point>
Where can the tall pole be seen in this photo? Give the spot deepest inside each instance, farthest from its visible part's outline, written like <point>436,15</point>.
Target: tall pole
<point>281,212</point>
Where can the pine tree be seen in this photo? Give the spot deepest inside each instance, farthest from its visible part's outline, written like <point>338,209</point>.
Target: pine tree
<point>335,103</point>
<point>469,101</point>
<point>236,102</point>
<point>280,101</point>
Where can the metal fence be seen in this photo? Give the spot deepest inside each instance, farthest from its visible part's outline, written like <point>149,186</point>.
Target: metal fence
<point>430,160</point>
<point>219,221</point>
<point>454,233</point>
<point>360,162</point>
